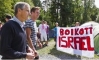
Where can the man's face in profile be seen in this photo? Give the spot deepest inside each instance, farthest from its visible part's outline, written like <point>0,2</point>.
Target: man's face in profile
<point>25,12</point>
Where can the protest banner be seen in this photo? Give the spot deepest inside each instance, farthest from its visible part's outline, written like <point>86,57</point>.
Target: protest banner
<point>76,40</point>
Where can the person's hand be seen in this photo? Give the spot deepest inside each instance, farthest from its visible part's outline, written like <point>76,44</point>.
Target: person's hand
<point>40,45</point>
<point>35,52</point>
<point>30,50</point>
<point>30,56</point>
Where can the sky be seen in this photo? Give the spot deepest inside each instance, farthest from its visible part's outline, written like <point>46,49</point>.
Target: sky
<point>96,3</point>
<point>41,0</point>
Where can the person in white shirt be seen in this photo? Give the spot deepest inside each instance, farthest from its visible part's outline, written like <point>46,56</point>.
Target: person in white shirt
<point>42,30</point>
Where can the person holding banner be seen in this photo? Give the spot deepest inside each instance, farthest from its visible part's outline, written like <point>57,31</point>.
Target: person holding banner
<point>55,32</point>
<point>77,24</point>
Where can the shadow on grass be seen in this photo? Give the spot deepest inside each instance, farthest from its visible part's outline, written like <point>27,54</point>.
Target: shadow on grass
<point>63,55</point>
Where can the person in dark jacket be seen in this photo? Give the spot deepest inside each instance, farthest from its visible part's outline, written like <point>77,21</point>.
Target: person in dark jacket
<point>13,43</point>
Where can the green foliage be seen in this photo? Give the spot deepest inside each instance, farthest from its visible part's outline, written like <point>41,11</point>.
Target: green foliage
<point>7,6</point>
<point>30,2</point>
<point>37,3</point>
<point>38,22</point>
<point>72,11</point>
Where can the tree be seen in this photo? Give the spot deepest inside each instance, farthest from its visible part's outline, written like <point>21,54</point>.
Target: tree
<point>72,11</point>
<point>7,7</point>
<point>37,3</point>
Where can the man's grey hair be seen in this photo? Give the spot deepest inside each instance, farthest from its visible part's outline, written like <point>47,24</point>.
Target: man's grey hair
<point>20,5</point>
<point>56,23</point>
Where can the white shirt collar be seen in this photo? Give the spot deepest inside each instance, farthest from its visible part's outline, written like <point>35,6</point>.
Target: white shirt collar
<point>18,21</point>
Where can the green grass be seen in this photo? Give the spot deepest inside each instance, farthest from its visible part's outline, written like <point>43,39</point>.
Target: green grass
<point>47,49</point>
<point>51,50</point>
<point>95,56</point>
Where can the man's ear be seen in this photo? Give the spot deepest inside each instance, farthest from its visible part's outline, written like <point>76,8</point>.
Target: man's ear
<point>19,10</point>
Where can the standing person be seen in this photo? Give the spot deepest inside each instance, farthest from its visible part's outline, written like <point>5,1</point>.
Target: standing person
<point>7,17</point>
<point>31,29</point>
<point>38,35</point>
<point>42,30</point>
<point>13,43</point>
<point>55,32</point>
<point>47,31</point>
<point>77,24</point>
